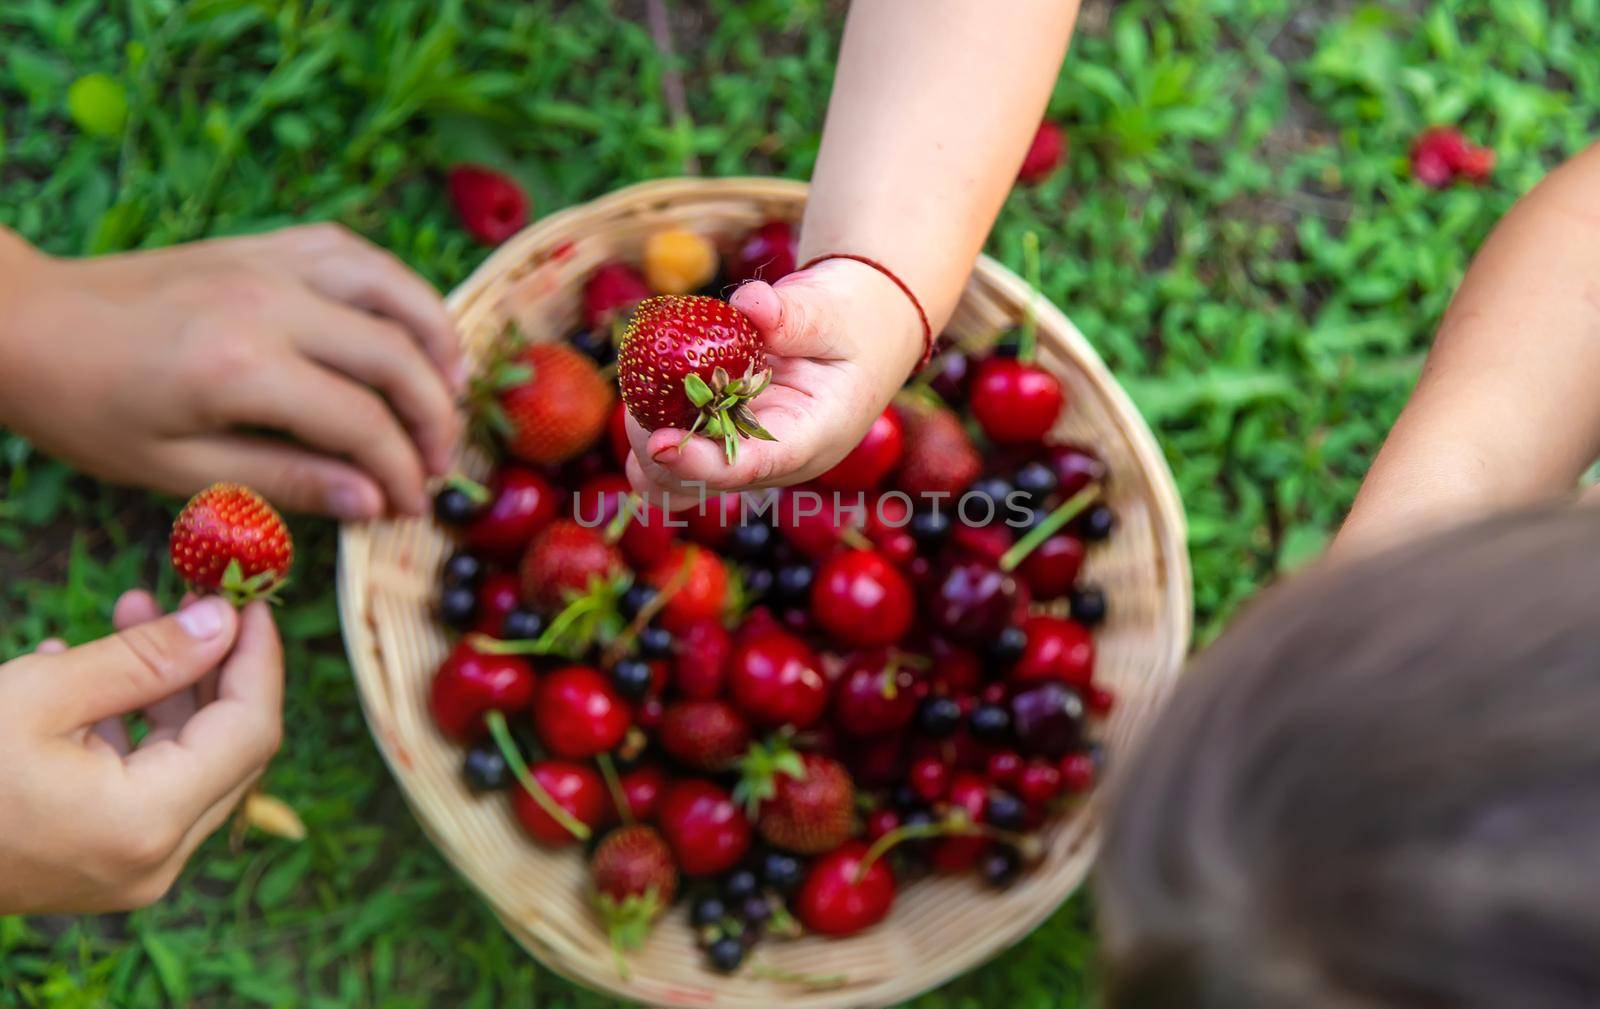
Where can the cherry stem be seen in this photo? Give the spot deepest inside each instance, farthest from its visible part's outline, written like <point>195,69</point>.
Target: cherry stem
<point>625,513</point>
<point>956,826</point>
<point>608,771</point>
<point>1064,513</point>
<point>476,492</point>
<point>1027,340</point>
<point>648,612</point>
<point>519,768</point>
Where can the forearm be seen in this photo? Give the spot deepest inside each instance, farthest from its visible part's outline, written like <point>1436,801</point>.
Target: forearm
<point>934,104</point>
<point>19,270</point>
<point>1507,410</point>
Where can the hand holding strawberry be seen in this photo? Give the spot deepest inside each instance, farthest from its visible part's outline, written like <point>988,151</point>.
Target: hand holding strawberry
<point>840,338</point>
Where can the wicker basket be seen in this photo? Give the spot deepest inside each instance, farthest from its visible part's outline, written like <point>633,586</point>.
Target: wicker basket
<point>940,927</point>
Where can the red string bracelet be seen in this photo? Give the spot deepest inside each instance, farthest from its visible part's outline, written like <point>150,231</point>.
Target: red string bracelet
<point>927,328</point>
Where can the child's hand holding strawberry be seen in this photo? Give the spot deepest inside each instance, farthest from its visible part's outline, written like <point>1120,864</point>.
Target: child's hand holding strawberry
<point>930,118</point>
<point>93,823</point>
<point>163,368</point>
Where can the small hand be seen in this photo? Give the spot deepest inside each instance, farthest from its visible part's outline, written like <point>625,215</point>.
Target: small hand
<point>306,363</point>
<point>94,824</point>
<point>841,339</point>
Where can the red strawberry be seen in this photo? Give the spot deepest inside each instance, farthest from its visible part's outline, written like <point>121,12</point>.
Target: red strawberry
<point>521,503</point>
<point>692,362</point>
<point>776,680</point>
<point>227,539</point>
<point>563,561</point>
<point>874,457</point>
<point>557,413</point>
<point>1442,154</point>
<point>701,586</point>
<point>635,880</point>
<point>1045,153</point>
<point>838,898</point>
<point>806,802</point>
<point>706,830</point>
<point>470,684</point>
<point>709,735</point>
<point>767,253</point>
<point>578,714</point>
<point>939,457</point>
<point>491,206</point>
<point>575,788</point>
<point>610,291</point>
<point>700,669</point>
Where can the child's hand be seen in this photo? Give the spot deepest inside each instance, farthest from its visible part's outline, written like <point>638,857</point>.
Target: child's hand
<point>842,339</point>
<point>90,824</point>
<point>165,368</point>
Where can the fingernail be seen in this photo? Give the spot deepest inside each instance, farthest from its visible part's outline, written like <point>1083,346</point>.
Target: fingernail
<point>203,620</point>
<point>666,455</point>
<point>348,502</point>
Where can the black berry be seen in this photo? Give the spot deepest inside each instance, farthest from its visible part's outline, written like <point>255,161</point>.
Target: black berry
<point>726,954</point>
<point>1001,865</point>
<point>635,599</point>
<point>990,722</point>
<point>522,625</point>
<point>458,606</point>
<point>631,677</point>
<point>792,584</point>
<point>1008,646</point>
<point>708,911</point>
<point>485,768</point>
<point>597,344</point>
<point>750,541</point>
<point>938,716</point>
<point>462,569</point>
<point>930,527</point>
<point>1037,481</point>
<point>454,507</point>
<point>1005,811</point>
<point>655,642</point>
<point>1088,605</point>
<point>1097,522</point>
<point>782,872</point>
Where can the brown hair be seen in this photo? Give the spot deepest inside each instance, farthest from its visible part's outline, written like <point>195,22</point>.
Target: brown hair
<point>1380,789</point>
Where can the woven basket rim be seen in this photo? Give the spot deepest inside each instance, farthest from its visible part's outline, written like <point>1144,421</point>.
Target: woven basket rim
<point>1157,484</point>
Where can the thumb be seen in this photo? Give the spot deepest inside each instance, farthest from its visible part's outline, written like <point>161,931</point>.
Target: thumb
<point>790,316</point>
<point>139,665</point>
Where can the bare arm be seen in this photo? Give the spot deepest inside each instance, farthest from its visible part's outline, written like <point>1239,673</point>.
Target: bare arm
<point>1507,410</point>
<point>934,105</point>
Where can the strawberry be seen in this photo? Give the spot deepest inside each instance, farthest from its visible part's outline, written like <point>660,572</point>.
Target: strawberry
<point>938,456</point>
<point>548,403</point>
<point>227,539</point>
<point>611,290</point>
<point>804,803</point>
<point>635,880</point>
<point>564,561</point>
<point>698,581</point>
<point>693,362</point>
<point>700,669</point>
<point>491,206</point>
<point>1441,154</point>
<point>709,735</point>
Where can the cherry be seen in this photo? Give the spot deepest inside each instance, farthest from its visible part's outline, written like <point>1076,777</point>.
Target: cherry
<point>642,788</point>
<point>862,600</point>
<point>648,539</point>
<point>617,434</point>
<point>701,583</point>
<point>880,822</point>
<point>1003,767</point>
<point>1053,566</point>
<point>521,503</point>
<point>838,898</point>
<point>815,533</point>
<point>930,778</point>
<point>469,684</point>
<point>956,669</point>
<point>1099,700</point>
<point>578,714</point>
<point>1057,649</point>
<point>609,290</point>
<point>498,595</point>
<point>1048,719</point>
<point>700,670</point>
<point>951,374</point>
<point>970,794</point>
<point>1077,772</point>
<point>1039,782</point>
<point>705,829</point>
<point>1076,467</point>
<point>776,680</point>
<point>575,788</point>
<point>709,522</point>
<point>878,762</point>
<point>874,457</point>
<point>1015,403</point>
<point>970,599</point>
<point>767,253</point>
<point>600,498</point>
<point>873,696</point>
<point>987,543</point>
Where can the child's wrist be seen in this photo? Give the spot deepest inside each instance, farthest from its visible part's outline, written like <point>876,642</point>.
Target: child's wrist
<point>24,282</point>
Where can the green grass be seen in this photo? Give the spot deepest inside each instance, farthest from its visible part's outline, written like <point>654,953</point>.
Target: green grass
<point>1237,234</point>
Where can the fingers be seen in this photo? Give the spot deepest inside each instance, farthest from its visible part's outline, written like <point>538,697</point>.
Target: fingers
<point>379,353</point>
<point>134,667</point>
<point>348,268</point>
<point>230,740</point>
<point>666,462</point>
<point>291,476</point>
<point>337,416</point>
<point>166,715</point>
<point>51,646</point>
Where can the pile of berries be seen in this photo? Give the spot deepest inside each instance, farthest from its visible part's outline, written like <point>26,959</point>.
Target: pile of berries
<point>783,707</point>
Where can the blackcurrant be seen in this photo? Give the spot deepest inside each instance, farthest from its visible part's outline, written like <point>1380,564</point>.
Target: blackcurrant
<point>930,527</point>
<point>739,885</point>
<point>1008,646</point>
<point>522,625</point>
<point>462,569</point>
<point>485,768</point>
<point>792,584</point>
<point>1088,604</point>
<point>1005,811</point>
<point>750,541</point>
<point>596,343</point>
<point>782,871</point>
<point>635,599</point>
<point>755,911</point>
<point>726,954</point>
<point>990,722</point>
<point>1037,481</point>
<point>1097,522</point>
<point>758,582</point>
<point>458,606</point>
<point>655,642</point>
<point>938,716</point>
<point>709,910</point>
<point>1001,865</point>
<point>631,677</point>
<point>454,506</point>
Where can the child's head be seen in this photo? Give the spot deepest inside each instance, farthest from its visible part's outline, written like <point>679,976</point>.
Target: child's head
<point>1380,789</point>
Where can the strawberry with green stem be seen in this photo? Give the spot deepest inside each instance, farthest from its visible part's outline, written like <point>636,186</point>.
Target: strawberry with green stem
<point>546,402</point>
<point>229,540</point>
<point>635,880</point>
<point>801,802</point>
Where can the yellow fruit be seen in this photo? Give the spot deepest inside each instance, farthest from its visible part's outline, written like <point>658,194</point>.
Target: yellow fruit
<point>678,261</point>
